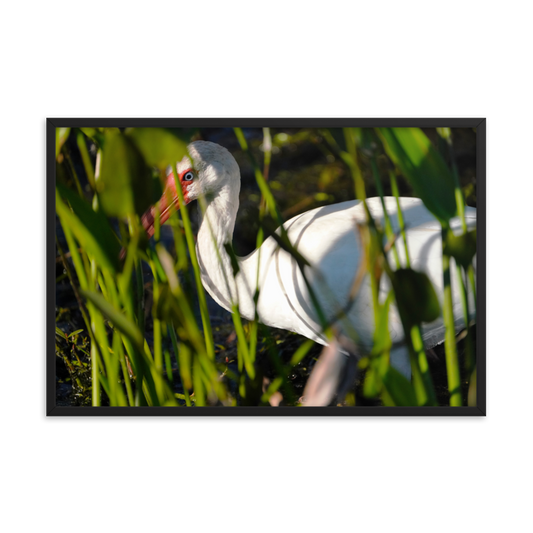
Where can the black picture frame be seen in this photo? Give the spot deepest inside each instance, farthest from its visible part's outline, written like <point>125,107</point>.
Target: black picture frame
<point>479,123</point>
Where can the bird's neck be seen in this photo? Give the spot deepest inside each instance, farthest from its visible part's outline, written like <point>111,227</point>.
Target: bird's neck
<point>217,217</point>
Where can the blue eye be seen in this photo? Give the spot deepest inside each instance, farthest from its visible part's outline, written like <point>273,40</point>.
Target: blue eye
<point>188,176</point>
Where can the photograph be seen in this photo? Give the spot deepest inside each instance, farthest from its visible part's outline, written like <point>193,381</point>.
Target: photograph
<point>266,267</point>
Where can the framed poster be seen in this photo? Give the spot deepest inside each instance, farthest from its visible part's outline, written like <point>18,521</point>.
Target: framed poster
<point>266,267</point>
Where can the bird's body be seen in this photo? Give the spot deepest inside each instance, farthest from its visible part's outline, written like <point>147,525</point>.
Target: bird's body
<point>327,237</point>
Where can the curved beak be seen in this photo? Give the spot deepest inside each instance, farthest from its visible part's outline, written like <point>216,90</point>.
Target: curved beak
<point>166,204</point>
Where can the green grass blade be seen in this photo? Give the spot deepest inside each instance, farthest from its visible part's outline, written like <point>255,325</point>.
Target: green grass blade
<point>189,237</point>
<point>350,158</point>
<point>86,159</point>
<point>452,361</point>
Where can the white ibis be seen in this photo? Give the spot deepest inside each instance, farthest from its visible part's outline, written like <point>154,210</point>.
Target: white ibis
<point>326,237</point>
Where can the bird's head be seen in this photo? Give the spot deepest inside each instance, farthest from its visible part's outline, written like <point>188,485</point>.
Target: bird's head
<point>207,172</point>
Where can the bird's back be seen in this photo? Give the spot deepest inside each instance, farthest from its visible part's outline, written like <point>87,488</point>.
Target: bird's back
<point>328,238</point>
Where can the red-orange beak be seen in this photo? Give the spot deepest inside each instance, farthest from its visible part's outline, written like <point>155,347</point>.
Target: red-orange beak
<point>168,202</point>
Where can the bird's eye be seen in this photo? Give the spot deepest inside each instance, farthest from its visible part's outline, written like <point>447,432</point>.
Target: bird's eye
<point>188,176</point>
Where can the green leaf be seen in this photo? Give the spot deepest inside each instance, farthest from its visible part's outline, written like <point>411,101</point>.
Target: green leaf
<point>97,134</point>
<point>380,349</point>
<point>92,133</point>
<point>445,133</point>
<point>91,229</point>
<point>160,147</point>
<point>415,296</point>
<point>372,384</point>
<point>462,247</point>
<point>60,333</point>
<point>382,340</point>
<point>61,137</point>
<point>125,182</point>
<point>399,387</point>
<point>185,358</point>
<point>119,320</point>
<point>422,165</point>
